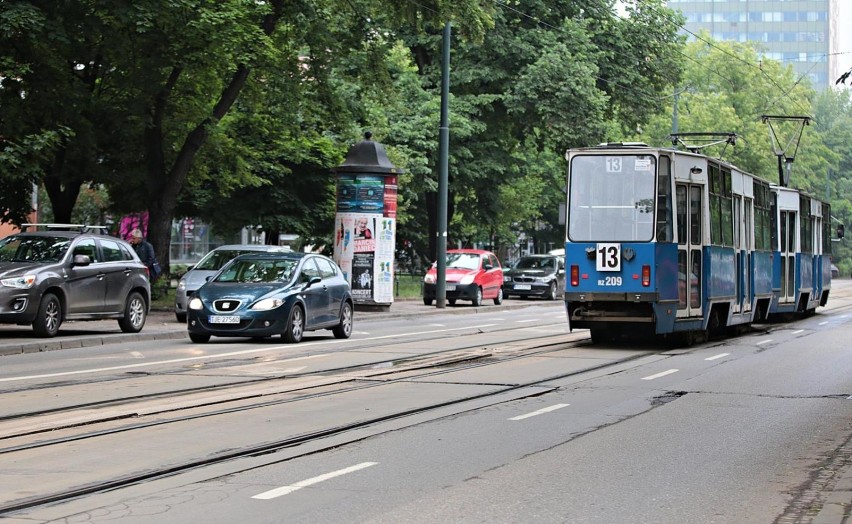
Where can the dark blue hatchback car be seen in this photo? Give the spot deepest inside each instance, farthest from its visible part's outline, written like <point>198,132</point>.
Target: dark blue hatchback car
<point>266,294</point>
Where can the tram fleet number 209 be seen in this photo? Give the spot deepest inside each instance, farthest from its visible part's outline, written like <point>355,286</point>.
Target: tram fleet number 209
<point>608,258</point>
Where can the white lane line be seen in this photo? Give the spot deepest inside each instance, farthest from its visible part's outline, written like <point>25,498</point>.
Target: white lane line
<point>720,355</point>
<point>767,341</point>
<point>798,331</point>
<point>528,320</point>
<point>542,411</point>
<point>285,490</point>
<point>824,322</point>
<point>231,354</point>
<point>662,374</point>
<point>136,354</point>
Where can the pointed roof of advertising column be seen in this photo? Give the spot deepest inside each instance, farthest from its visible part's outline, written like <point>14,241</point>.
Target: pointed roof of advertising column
<point>367,156</point>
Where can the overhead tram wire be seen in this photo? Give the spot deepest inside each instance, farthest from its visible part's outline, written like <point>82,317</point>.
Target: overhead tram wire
<point>724,51</point>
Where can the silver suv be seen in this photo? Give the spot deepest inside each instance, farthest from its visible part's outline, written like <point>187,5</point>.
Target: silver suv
<point>47,277</point>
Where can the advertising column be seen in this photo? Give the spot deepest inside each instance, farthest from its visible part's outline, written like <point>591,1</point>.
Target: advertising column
<point>365,223</point>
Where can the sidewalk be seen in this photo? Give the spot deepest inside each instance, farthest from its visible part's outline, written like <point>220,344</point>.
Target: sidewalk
<point>162,325</point>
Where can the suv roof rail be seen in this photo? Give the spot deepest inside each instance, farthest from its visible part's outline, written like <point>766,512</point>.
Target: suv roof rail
<point>82,228</point>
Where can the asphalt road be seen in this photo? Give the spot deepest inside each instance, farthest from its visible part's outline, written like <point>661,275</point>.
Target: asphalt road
<point>750,429</point>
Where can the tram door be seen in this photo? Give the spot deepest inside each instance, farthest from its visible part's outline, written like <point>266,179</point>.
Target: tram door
<point>748,247</point>
<point>788,256</point>
<point>690,213</point>
<point>743,228</point>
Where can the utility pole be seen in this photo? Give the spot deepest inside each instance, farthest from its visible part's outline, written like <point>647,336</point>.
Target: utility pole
<point>443,174</point>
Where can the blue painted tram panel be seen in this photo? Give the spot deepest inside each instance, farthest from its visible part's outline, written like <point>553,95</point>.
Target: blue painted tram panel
<point>801,270</point>
<point>660,241</point>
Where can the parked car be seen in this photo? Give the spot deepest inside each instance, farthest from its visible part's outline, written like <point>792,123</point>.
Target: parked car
<point>535,276</point>
<point>48,277</point>
<point>209,264</point>
<point>471,274</point>
<point>266,294</point>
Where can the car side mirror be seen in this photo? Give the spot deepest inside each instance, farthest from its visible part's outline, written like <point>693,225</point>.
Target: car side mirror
<point>82,260</point>
<point>488,267</point>
<point>312,281</point>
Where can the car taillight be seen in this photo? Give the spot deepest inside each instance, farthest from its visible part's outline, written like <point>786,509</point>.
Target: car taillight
<point>575,275</point>
<point>646,276</point>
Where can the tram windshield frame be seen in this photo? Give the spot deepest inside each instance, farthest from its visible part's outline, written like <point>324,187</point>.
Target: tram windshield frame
<point>611,198</point>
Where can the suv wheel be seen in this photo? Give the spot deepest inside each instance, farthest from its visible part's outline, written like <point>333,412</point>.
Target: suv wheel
<point>49,317</point>
<point>135,314</point>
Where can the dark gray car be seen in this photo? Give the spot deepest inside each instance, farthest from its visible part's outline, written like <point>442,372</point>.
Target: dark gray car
<point>535,276</point>
<point>48,277</point>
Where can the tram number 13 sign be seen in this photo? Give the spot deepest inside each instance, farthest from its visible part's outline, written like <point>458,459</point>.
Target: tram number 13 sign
<point>608,257</point>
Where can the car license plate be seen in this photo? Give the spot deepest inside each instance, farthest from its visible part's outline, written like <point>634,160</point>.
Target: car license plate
<point>220,319</point>
<point>450,287</point>
<point>524,287</point>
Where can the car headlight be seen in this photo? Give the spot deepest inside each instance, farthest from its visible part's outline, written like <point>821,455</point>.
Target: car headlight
<point>195,303</point>
<point>266,304</point>
<point>507,278</point>
<point>543,280</point>
<point>182,285</point>
<point>24,282</point>
<point>429,278</point>
<point>467,279</point>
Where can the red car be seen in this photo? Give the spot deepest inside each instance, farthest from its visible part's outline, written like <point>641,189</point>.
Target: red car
<point>472,274</point>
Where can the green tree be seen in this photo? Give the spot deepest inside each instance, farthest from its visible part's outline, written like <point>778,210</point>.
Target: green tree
<point>143,86</point>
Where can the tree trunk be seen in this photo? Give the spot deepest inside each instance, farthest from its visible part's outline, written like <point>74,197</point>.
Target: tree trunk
<point>165,186</point>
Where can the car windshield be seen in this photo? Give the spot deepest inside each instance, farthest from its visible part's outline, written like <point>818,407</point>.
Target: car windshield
<point>535,263</point>
<point>214,260</point>
<point>463,260</point>
<point>23,248</point>
<point>254,270</point>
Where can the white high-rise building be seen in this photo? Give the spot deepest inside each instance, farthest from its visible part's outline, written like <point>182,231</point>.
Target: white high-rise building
<point>798,32</point>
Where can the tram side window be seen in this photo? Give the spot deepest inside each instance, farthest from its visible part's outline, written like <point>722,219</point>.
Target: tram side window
<point>681,215</point>
<point>715,205</point>
<point>763,234</point>
<point>826,229</point>
<point>727,209</point>
<point>664,200</point>
<point>721,203</point>
<point>806,224</point>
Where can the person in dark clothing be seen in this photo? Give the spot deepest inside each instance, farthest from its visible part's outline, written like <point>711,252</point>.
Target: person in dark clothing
<point>145,251</point>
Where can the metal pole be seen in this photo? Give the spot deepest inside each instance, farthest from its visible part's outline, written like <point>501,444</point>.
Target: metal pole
<point>444,148</point>
<point>674,113</point>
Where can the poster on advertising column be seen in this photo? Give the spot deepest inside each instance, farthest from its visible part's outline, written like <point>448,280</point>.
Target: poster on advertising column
<point>384,260</point>
<point>362,276</point>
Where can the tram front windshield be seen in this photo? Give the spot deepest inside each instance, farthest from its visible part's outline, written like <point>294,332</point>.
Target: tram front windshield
<point>611,198</point>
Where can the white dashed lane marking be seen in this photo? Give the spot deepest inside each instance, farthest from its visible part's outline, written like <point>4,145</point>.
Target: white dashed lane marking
<point>542,411</point>
<point>767,341</point>
<point>715,357</point>
<point>661,374</point>
<point>285,490</point>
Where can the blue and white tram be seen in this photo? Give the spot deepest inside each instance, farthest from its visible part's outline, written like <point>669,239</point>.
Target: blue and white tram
<point>660,241</point>
<point>802,260</point>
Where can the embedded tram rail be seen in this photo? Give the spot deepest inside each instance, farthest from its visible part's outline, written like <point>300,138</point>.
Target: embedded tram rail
<point>137,419</point>
<point>163,434</point>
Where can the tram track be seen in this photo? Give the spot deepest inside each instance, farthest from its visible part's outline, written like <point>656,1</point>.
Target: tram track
<point>351,385</point>
<point>381,366</point>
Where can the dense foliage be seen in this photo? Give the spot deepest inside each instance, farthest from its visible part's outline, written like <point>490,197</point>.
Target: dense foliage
<point>236,111</point>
